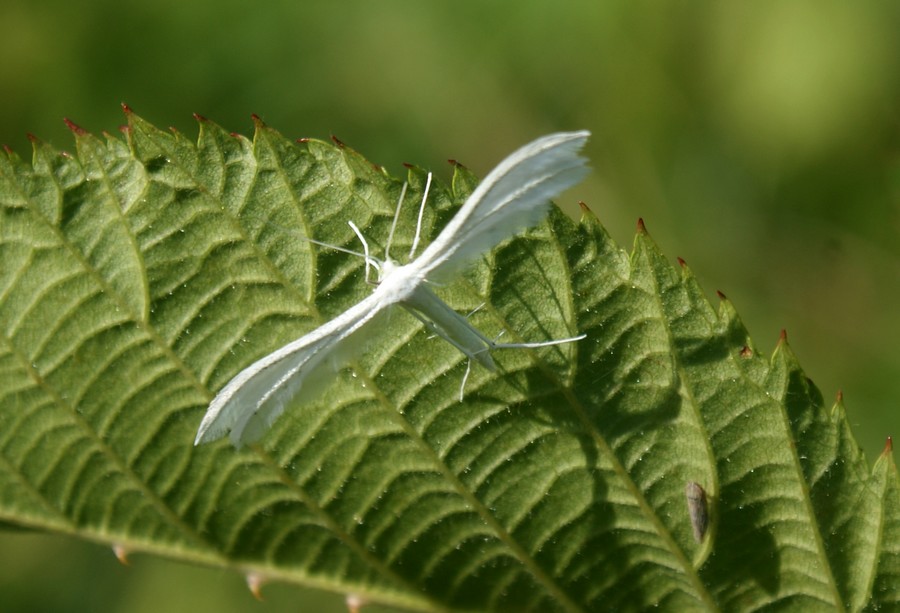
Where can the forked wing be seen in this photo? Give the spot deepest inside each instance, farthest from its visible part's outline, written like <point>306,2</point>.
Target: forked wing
<point>257,395</point>
<point>514,196</point>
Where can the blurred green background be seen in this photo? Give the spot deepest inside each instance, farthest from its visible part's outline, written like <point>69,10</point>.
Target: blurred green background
<point>758,141</point>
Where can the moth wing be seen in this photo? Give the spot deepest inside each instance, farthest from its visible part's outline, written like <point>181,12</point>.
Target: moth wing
<point>514,196</point>
<point>256,396</point>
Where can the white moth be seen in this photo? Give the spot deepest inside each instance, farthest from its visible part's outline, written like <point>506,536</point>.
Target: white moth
<point>514,196</point>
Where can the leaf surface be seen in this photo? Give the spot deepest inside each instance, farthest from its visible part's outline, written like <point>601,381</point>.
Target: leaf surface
<point>138,275</point>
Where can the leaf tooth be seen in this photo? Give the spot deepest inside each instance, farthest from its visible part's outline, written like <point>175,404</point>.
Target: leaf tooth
<point>255,582</point>
<point>74,127</point>
<point>121,552</point>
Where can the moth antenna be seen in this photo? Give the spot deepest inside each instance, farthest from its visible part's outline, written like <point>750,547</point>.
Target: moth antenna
<point>336,248</point>
<point>369,260</point>
<point>307,239</point>
<point>475,310</point>
<point>387,249</point>
<point>412,251</point>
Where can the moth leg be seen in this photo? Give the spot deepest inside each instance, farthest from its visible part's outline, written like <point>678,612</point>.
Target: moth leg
<point>462,385</point>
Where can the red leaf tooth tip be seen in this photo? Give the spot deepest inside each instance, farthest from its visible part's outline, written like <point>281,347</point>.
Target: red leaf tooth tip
<point>338,141</point>
<point>127,109</point>
<point>257,121</point>
<point>124,129</point>
<point>303,139</point>
<point>408,166</point>
<point>840,396</point>
<point>8,149</point>
<point>78,130</point>
<point>121,553</point>
<point>200,118</point>
<point>681,262</point>
<point>783,336</point>
<point>641,227</point>
<point>746,352</point>
<point>721,295</point>
<point>889,445</point>
<point>255,582</point>
<point>234,134</point>
<point>32,138</point>
<point>584,207</point>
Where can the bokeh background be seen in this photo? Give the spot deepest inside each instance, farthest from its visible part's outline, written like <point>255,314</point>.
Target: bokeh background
<point>759,141</point>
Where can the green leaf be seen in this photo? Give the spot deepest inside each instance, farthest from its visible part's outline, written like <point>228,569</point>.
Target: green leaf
<point>138,276</point>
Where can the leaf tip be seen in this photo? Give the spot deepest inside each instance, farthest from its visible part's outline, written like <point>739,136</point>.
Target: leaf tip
<point>200,118</point>
<point>338,141</point>
<point>455,163</point>
<point>641,226</point>
<point>782,336</point>
<point>74,127</point>
<point>746,352</point>
<point>257,121</point>
<point>681,262</point>
<point>888,446</point>
<point>255,581</point>
<point>31,137</point>
<point>121,553</point>
<point>127,109</point>
<point>303,139</point>
<point>721,295</point>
